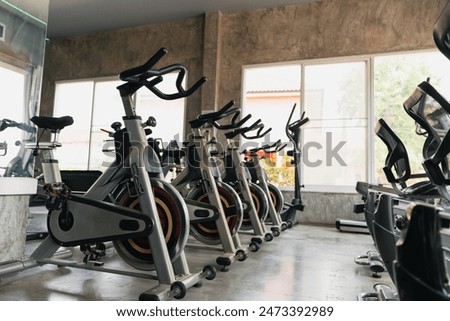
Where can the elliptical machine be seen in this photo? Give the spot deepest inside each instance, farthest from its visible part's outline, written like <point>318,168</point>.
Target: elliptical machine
<point>293,132</point>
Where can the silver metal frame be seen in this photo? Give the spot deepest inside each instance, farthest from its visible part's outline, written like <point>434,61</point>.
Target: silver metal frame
<point>171,276</point>
<point>231,244</point>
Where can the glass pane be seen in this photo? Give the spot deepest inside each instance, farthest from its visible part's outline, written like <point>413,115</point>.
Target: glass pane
<point>12,82</point>
<point>269,94</point>
<point>335,139</point>
<point>334,156</point>
<point>23,27</point>
<point>107,110</point>
<point>396,78</point>
<point>74,99</point>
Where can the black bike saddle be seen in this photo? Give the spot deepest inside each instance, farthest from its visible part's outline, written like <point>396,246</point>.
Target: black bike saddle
<point>52,123</point>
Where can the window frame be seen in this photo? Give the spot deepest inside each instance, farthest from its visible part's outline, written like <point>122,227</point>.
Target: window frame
<point>369,100</point>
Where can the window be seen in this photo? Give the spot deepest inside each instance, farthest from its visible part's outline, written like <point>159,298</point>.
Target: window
<point>95,105</point>
<point>12,82</point>
<point>334,141</point>
<point>271,93</point>
<point>74,99</point>
<point>343,99</point>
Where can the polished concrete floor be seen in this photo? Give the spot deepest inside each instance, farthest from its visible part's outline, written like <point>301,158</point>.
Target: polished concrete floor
<point>305,263</point>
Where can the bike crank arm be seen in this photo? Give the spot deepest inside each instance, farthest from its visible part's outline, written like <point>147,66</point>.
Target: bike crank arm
<point>86,221</point>
<point>201,212</point>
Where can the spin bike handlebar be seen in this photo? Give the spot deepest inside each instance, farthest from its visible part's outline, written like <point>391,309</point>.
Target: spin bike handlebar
<point>146,75</point>
<point>258,126</point>
<point>270,148</point>
<point>213,118</point>
<point>5,123</point>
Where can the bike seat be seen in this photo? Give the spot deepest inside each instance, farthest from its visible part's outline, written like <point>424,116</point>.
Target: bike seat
<point>52,123</point>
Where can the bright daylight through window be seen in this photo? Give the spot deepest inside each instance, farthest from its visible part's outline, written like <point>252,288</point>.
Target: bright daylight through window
<point>12,81</point>
<point>95,105</point>
<point>339,147</point>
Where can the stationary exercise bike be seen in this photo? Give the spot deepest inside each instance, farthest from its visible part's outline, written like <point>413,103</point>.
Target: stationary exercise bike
<point>148,224</point>
<point>199,185</point>
<point>259,176</point>
<point>237,175</point>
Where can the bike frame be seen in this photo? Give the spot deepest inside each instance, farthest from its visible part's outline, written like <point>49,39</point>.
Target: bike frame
<point>109,221</point>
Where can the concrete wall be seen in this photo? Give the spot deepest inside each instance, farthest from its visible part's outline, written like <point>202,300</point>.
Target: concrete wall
<point>109,53</point>
<point>322,29</point>
<point>325,208</point>
<point>218,45</point>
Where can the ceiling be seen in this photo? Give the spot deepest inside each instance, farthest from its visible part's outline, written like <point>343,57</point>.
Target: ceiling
<point>77,17</point>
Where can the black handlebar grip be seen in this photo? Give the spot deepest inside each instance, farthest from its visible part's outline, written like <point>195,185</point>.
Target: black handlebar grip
<point>215,115</point>
<point>133,72</point>
<point>145,75</point>
<point>258,133</point>
<point>130,88</point>
<point>242,121</point>
<point>181,92</point>
<point>196,86</point>
<point>243,130</point>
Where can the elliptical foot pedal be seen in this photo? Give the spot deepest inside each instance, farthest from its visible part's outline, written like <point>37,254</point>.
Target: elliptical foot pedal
<point>352,226</point>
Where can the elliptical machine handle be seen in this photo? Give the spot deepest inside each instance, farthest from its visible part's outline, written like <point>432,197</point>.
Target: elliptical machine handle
<point>299,123</point>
